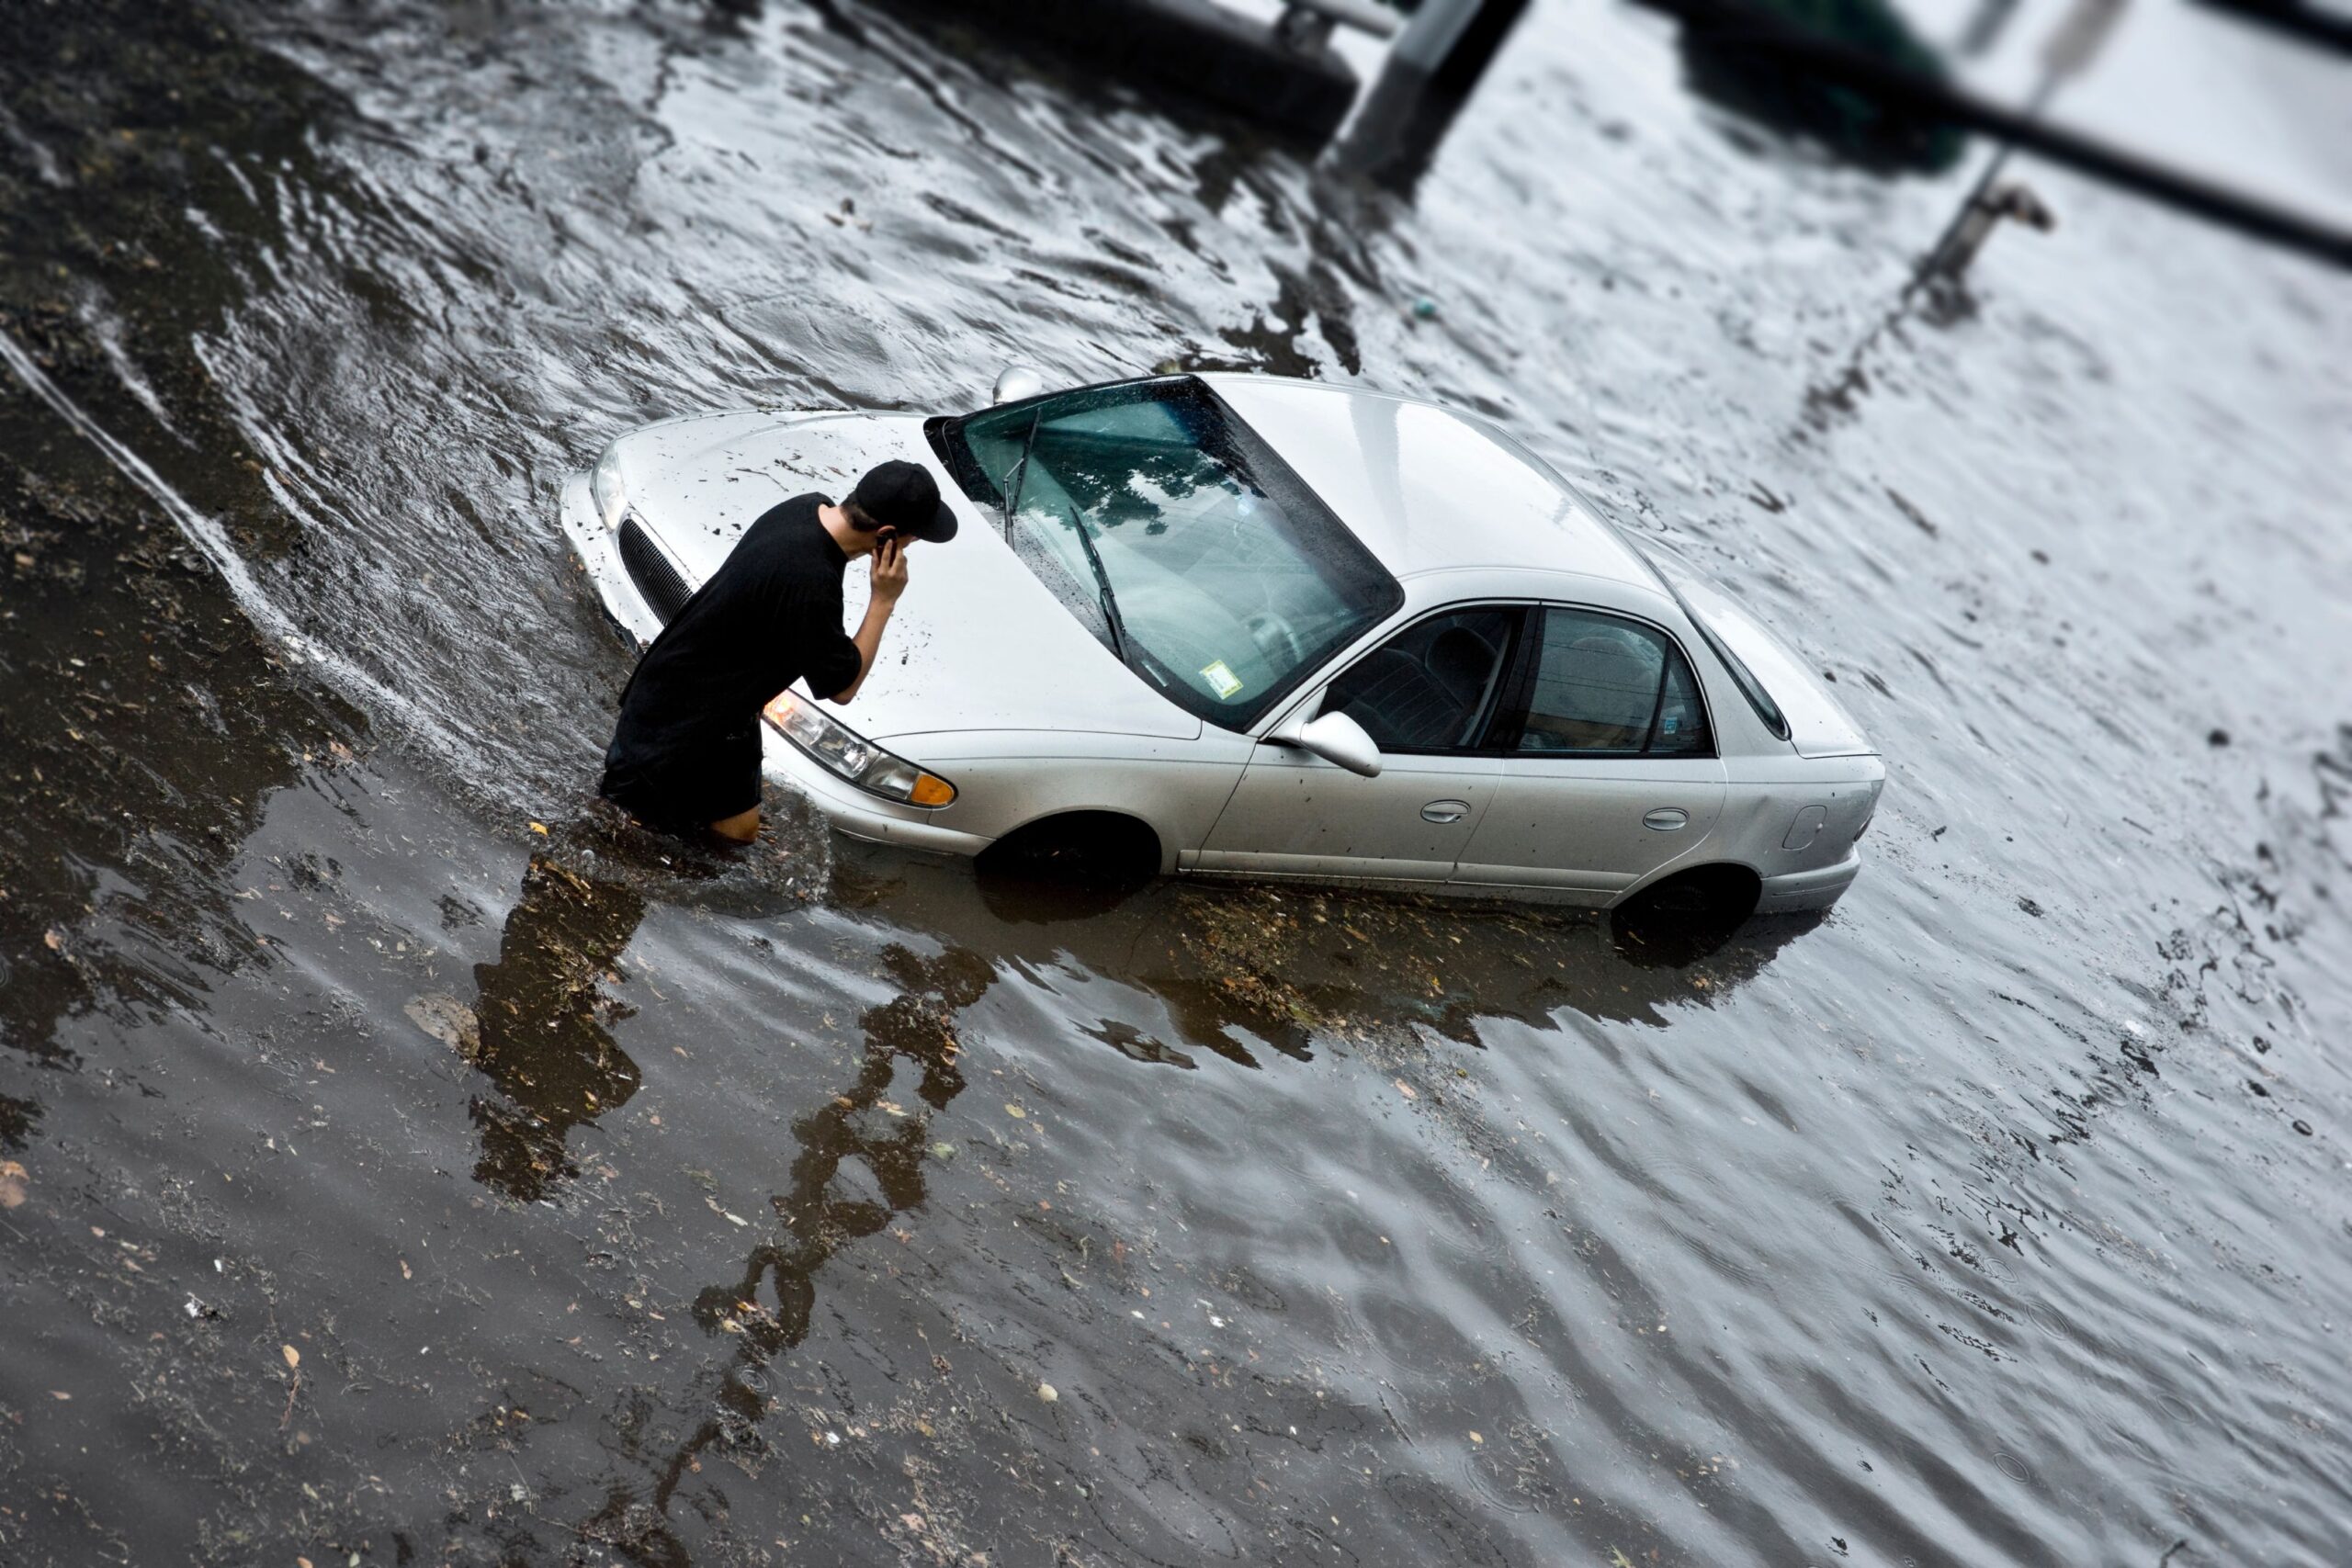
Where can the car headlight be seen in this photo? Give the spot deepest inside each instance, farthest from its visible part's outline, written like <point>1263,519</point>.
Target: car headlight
<point>604,485</point>
<point>839,752</point>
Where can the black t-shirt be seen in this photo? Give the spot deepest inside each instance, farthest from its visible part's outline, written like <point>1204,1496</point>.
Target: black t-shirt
<point>771,614</point>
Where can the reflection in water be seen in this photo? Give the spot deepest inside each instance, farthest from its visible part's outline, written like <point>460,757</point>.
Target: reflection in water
<point>1674,935</point>
<point>540,1019</point>
<point>16,1119</point>
<point>1272,964</point>
<point>768,1306</point>
<point>1233,967</point>
<point>1724,65</point>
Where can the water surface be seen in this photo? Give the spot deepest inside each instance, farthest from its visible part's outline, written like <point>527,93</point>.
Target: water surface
<point>406,1161</point>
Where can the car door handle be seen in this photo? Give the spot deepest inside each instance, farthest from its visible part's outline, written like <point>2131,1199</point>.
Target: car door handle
<point>1446,811</point>
<point>1666,819</point>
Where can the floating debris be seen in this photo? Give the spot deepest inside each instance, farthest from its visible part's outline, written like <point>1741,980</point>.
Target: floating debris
<point>449,1020</point>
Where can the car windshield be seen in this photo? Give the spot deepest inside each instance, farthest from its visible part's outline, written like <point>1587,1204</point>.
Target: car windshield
<point>1177,536</point>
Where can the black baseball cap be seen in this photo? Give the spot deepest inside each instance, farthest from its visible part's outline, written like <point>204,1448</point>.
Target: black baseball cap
<point>903,495</point>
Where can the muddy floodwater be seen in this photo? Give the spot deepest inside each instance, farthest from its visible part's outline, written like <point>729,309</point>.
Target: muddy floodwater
<point>403,1162</point>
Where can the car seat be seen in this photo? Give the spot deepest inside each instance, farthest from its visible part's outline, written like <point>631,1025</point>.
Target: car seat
<point>1400,705</point>
<point>1463,662</point>
<point>1422,702</point>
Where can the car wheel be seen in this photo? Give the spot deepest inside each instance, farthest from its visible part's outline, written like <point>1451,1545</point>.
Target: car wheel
<point>1100,851</point>
<point>1686,916</point>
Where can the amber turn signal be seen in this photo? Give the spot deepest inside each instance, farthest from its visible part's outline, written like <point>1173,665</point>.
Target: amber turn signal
<point>931,790</point>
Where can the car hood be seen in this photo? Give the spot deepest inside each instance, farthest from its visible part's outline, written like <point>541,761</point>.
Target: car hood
<point>978,643</point>
<point>1819,724</point>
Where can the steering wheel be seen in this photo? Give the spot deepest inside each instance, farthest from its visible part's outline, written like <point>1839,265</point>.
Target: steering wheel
<point>1274,634</point>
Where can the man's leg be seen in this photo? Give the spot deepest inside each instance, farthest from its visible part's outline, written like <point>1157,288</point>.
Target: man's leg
<point>740,829</point>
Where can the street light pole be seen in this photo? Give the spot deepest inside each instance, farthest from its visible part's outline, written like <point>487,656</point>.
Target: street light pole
<point>2068,51</point>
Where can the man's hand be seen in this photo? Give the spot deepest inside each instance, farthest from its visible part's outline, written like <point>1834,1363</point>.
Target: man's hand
<point>890,581</point>
<point>890,571</point>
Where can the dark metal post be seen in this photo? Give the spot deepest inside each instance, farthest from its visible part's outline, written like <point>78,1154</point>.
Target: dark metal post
<point>1431,72</point>
<point>2184,191</point>
<point>2070,49</point>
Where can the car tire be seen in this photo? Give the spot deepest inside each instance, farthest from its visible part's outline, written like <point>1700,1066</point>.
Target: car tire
<point>1097,851</point>
<point>1684,918</point>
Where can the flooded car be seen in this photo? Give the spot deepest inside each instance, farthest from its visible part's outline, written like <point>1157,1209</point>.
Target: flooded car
<point>1246,625</point>
<point>401,1158</point>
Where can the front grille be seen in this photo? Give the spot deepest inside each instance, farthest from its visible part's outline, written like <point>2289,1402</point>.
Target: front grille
<point>652,571</point>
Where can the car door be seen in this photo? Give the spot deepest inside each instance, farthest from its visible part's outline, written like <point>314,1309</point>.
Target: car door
<point>1426,697</point>
<point>1607,765</point>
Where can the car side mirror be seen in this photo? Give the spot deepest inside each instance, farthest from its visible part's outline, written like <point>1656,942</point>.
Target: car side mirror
<point>1015,382</point>
<point>1335,737</point>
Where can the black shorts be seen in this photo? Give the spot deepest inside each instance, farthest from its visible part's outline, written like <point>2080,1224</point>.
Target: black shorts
<point>687,790</point>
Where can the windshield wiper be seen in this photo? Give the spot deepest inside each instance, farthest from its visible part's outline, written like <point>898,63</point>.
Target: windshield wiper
<point>1020,474</point>
<point>1102,580</point>
<point>1104,599</point>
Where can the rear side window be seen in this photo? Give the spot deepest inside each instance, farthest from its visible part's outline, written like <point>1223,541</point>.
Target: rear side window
<point>1682,728</point>
<point>1767,710</point>
<point>1602,685</point>
<point>1749,686</point>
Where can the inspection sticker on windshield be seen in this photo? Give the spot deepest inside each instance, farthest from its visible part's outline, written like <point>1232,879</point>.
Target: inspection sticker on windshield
<point>1221,678</point>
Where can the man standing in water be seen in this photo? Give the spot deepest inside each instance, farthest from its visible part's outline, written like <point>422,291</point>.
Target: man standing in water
<point>685,756</point>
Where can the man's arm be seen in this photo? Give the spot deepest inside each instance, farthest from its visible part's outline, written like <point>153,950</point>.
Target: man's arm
<point>890,581</point>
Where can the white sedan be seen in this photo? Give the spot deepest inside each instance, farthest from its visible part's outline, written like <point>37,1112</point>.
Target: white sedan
<point>1240,625</point>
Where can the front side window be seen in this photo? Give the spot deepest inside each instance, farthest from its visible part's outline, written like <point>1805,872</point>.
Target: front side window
<point>1177,536</point>
<point>1601,685</point>
<point>1431,687</point>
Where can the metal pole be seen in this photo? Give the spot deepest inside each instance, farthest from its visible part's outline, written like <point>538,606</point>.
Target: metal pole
<point>2187,192</point>
<point>1431,70</point>
<point>1430,36</point>
<point>2067,53</point>
<point>1993,166</point>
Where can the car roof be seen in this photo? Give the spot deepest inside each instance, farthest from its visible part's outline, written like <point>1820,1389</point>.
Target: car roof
<point>1427,488</point>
